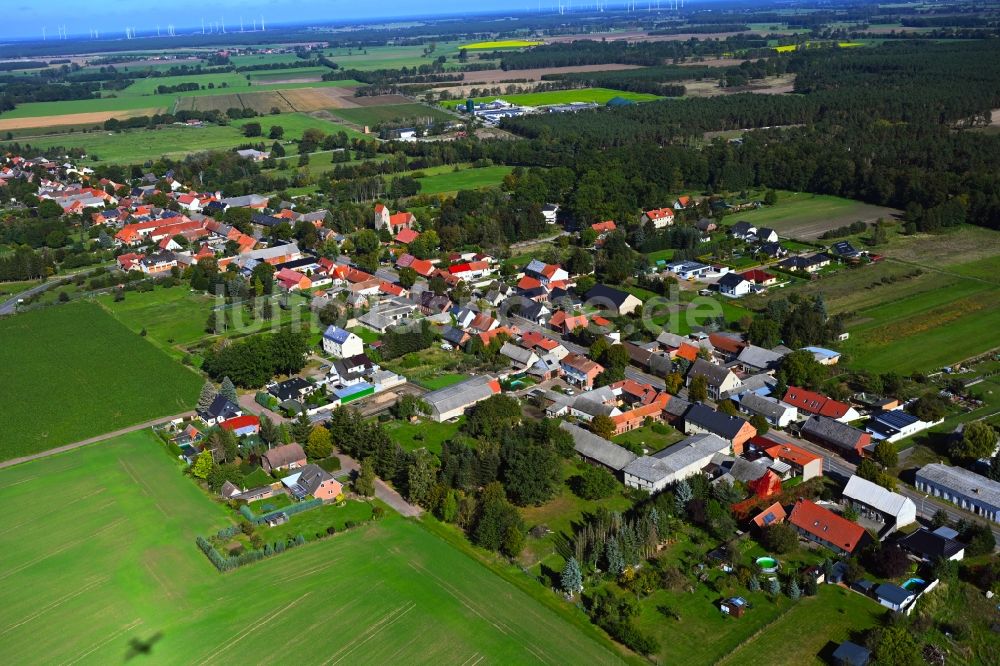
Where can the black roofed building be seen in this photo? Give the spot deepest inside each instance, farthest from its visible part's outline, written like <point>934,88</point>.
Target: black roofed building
<point>612,300</point>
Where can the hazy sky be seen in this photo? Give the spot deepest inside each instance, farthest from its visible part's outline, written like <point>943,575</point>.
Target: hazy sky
<point>25,18</point>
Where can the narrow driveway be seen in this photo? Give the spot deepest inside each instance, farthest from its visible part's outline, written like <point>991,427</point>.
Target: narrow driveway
<point>382,489</point>
<point>93,440</point>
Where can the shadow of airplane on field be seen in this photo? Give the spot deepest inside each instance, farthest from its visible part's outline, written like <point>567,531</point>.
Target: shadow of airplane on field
<point>137,646</point>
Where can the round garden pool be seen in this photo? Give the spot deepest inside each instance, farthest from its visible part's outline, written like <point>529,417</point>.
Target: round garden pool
<point>914,584</point>
<point>767,564</point>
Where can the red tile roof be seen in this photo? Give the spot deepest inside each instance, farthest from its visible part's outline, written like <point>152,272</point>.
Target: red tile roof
<point>826,525</point>
<point>815,403</point>
<point>777,513</point>
<point>660,213</point>
<point>240,422</point>
<point>604,227</point>
<point>757,276</point>
<point>407,236</point>
<point>784,451</point>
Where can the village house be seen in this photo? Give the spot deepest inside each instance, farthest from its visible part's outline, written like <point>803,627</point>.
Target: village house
<point>287,456</point>
<point>775,412</point>
<point>836,435</point>
<point>827,528</point>
<point>800,462</point>
<point>685,458</point>
<point>734,285</point>
<point>580,370</point>
<point>879,505</point>
<point>811,402</point>
<point>313,480</point>
<point>341,343</point>
<point>452,401</point>
<point>611,300</point>
<point>720,379</point>
<point>221,409</point>
<point>703,419</point>
<point>659,217</point>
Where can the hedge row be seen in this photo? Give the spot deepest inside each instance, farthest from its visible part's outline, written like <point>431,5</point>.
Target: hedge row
<point>227,563</point>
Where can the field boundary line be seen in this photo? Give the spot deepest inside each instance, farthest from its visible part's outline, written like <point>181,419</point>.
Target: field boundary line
<point>290,105</point>
<point>93,440</point>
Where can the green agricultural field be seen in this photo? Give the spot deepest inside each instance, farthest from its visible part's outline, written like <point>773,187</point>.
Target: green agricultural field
<point>466,179</point>
<point>598,95</point>
<point>116,565</point>
<point>149,86</point>
<point>73,372</point>
<point>389,57</point>
<point>139,145</point>
<point>807,216</point>
<point>107,104</point>
<point>924,332</point>
<point>391,113</point>
<point>292,74</point>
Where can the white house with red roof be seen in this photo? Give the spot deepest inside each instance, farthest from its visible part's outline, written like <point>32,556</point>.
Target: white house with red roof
<point>660,217</point>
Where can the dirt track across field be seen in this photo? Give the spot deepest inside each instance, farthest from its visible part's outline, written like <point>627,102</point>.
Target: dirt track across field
<point>93,118</point>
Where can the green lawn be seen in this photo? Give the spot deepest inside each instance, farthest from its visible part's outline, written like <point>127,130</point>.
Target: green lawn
<point>598,95</point>
<point>441,381</point>
<point>116,562</point>
<point>73,372</point>
<point>809,628</point>
<point>423,434</point>
<point>560,514</point>
<point>367,335</point>
<point>391,113</point>
<point>466,179</point>
<point>316,521</point>
<point>33,109</point>
<point>648,438</point>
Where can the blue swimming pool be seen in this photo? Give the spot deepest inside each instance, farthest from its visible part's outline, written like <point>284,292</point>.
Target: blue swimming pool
<point>914,584</point>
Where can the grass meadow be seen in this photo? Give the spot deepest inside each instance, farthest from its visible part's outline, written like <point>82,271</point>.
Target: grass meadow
<point>466,179</point>
<point>934,301</point>
<point>803,215</point>
<point>73,372</point>
<point>103,537</point>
